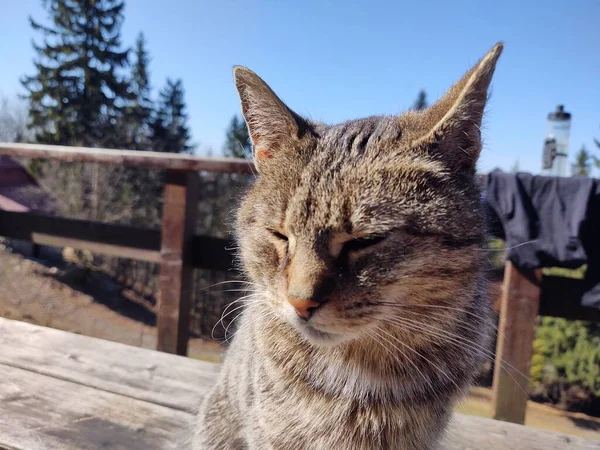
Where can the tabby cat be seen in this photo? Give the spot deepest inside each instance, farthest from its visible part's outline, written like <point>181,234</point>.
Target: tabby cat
<point>364,241</point>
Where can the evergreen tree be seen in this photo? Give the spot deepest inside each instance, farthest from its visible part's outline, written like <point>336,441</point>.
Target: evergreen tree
<point>237,140</point>
<point>596,159</point>
<point>515,168</point>
<point>139,113</point>
<point>170,132</point>
<point>76,96</point>
<point>421,101</point>
<point>583,164</point>
<point>145,184</point>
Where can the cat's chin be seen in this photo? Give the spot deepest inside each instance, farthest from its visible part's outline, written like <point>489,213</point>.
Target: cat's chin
<point>318,337</point>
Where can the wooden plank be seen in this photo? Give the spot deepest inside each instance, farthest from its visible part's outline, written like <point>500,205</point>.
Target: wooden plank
<point>110,239</point>
<point>520,302</point>
<point>478,433</point>
<point>213,253</point>
<point>41,413</point>
<point>176,277</point>
<point>97,247</point>
<point>141,374</point>
<point>133,158</point>
<point>75,392</point>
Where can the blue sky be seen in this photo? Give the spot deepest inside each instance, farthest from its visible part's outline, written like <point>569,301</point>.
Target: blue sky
<point>335,60</point>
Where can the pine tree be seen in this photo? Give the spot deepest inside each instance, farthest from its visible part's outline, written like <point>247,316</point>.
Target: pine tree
<point>76,95</point>
<point>582,165</point>
<point>145,185</point>
<point>139,113</point>
<point>237,140</point>
<point>421,101</point>
<point>596,159</point>
<point>515,168</point>
<point>170,132</point>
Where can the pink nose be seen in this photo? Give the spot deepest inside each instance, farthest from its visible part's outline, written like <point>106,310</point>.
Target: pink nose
<point>303,307</point>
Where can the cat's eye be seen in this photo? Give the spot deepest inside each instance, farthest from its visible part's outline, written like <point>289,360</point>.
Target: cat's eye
<point>362,243</point>
<point>278,235</point>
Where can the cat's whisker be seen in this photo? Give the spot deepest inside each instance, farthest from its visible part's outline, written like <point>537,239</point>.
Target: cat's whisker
<point>229,325</point>
<point>414,306</point>
<point>376,336</point>
<point>227,282</point>
<point>458,341</point>
<point>225,312</point>
<point>432,330</point>
<point>408,347</point>
<point>495,330</point>
<point>504,249</point>
<point>260,316</point>
<point>239,300</point>
<point>489,353</point>
<point>256,291</point>
<point>244,302</point>
<point>439,318</point>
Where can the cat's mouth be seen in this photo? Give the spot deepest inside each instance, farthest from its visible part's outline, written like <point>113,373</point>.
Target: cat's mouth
<point>317,336</point>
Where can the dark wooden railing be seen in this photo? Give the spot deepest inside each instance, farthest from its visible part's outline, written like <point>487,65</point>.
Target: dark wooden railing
<point>176,248</point>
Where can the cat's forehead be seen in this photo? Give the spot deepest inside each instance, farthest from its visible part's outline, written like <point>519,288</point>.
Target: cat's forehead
<point>355,136</point>
<point>357,175</point>
<point>348,194</point>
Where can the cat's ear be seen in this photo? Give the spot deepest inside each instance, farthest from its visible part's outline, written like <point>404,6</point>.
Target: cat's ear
<point>453,123</point>
<point>271,124</point>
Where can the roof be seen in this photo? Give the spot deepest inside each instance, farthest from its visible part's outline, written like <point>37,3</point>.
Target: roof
<point>19,191</point>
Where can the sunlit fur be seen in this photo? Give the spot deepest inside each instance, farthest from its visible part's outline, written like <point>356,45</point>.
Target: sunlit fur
<point>404,323</point>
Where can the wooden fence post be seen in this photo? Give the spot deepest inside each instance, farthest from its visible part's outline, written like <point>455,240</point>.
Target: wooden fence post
<point>176,274</point>
<point>520,302</point>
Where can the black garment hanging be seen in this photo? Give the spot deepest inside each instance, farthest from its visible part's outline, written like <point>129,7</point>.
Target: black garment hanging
<point>549,222</point>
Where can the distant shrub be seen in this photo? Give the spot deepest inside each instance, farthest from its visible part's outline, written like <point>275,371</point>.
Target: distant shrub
<point>566,362</point>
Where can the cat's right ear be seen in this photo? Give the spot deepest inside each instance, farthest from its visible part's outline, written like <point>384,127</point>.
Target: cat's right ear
<point>273,127</point>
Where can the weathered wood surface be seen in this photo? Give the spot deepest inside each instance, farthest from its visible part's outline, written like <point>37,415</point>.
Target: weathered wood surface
<point>42,412</point>
<point>146,375</point>
<point>61,391</point>
<point>520,303</point>
<point>477,433</point>
<point>64,391</point>
<point>134,158</point>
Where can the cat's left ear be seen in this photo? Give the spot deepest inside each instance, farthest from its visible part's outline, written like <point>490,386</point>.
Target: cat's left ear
<point>273,127</point>
<point>453,123</point>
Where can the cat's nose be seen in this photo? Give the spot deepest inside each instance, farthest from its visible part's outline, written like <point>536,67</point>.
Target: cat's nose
<point>304,307</point>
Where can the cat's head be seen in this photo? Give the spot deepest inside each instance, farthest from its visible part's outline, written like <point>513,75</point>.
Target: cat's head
<point>352,225</point>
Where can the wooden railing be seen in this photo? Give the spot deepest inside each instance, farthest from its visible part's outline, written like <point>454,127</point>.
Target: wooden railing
<point>176,248</point>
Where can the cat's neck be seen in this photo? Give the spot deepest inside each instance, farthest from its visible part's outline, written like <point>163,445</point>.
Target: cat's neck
<point>365,369</point>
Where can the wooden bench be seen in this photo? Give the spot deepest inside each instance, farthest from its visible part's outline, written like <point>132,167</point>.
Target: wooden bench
<point>64,391</point>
